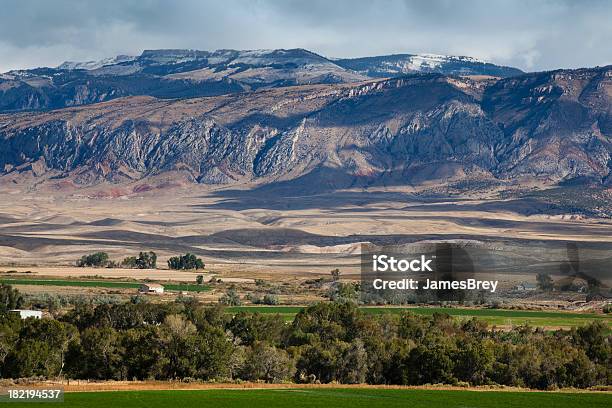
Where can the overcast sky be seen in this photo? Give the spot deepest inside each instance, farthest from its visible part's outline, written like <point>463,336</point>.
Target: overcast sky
<point>529,34</point>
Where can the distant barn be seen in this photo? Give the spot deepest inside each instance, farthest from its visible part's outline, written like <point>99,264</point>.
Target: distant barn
<point>151,288</point>
<point>25,313</point>
<point>525,286</point>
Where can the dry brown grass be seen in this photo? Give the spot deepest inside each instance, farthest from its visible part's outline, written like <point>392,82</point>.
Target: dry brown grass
<point>87,386</point>
<point>46,232</point>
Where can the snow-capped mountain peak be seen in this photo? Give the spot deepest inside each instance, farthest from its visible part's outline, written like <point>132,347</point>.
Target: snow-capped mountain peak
<point>401,64</point>
<point>91,65</point>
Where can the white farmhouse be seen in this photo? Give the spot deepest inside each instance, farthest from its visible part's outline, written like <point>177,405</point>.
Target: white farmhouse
<point>25,313</point>
<point>526,286</point>
<point>151,288</point>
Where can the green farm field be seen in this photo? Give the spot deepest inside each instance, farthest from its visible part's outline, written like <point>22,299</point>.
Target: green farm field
<point>492,316</point>
<point>498,317</point>
<point>100,284</point>
<point>354,398</point>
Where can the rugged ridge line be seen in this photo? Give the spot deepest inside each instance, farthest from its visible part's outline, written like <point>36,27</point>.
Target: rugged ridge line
<point>192,73</point>
<point>552,127</point>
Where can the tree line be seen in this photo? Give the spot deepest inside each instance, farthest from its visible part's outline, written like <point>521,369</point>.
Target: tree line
<point>326,342</point>
<point>144,260</point>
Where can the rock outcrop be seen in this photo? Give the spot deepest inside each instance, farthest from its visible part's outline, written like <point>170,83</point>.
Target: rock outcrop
<point>553,127</point>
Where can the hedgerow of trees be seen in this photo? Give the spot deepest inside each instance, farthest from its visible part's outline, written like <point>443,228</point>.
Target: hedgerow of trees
<point>145,260</point>
<point>187,261</point>
<point>324,343</point>
<point>98,259</point>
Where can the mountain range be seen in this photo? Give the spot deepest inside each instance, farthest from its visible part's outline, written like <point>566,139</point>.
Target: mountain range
<point>189,73</point>
<point>295,119</point>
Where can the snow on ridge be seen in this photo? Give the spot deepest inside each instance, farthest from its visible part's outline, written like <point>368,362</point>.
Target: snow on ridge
<point>435,60</point>
<point>264,57</point>
<point>267,56</point>
<point>438,57</point>
<point>424,62</point>
<point>91,65</point>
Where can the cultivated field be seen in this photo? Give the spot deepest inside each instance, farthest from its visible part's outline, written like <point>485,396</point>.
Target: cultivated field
<point>99,284</point>
<point>326,397</point>
<point>497,317</point>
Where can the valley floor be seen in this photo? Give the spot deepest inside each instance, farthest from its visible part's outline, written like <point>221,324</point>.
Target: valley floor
<point>253,234</point>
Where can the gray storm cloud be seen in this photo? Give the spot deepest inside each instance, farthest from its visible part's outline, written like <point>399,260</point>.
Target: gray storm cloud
<point>532,35</point>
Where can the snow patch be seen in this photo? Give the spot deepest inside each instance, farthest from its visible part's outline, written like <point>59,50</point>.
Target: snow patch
<point>91,65</point>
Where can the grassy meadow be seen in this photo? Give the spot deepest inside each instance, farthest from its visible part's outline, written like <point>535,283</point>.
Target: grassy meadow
<point>492,316</point>
<point>101,284</point>
<point>326,397</point>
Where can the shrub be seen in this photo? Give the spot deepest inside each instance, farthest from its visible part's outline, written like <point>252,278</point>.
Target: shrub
<point>545,282</point>
<point>270,300</point>
<point>231,298</point>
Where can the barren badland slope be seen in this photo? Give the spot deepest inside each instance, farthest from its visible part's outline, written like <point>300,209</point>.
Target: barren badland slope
<point>552,127</point>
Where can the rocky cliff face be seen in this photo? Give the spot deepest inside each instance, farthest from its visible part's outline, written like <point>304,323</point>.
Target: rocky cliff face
<point>553,127</point>
<point>556,125</point>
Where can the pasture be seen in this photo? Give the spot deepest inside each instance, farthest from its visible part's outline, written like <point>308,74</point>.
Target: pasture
<point>102,284</point>
<point>330,397</point>
<point>498,317</point>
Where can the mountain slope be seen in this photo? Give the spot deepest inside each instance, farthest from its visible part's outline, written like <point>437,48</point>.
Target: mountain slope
<point>551,127</point>
<point>192,73</point>
<point>402,64</point>
<point>557,124</point>
<point>166,74</point>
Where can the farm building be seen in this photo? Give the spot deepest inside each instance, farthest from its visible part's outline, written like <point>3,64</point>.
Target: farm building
<point>151,288</point>
<point>525,286</point>
<point>25,313</point>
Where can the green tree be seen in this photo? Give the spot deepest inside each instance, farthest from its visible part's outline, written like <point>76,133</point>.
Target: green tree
<point>270,299</point>
<point>231,298</point>
<point>180,348</point>
<point>545,282</point>
<point>353,364</point>
<point>318,361</point>
<point>267,363</point>
<point>129,262</point>
<point>327,322</point>
<point>595,341</point>
<point>430,363</point>
<point>98,259</point>
<point>344,292</point>
<point>146,260</point>
<point>10,298</point>
<point>474,361</point>
<point>97,356</point>
<point>214,357</point>
<point>10,326</point>
<point>250,328</point>
<point>142,353</point>
<point>40,349</point>
<point>187,261</point>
